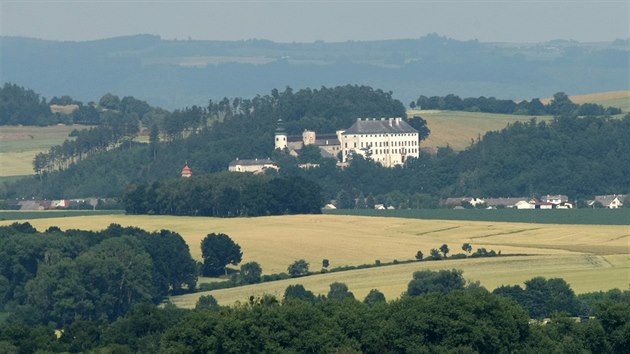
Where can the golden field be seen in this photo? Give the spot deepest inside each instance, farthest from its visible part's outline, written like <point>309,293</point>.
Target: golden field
<point>589,257</point>
<point>458,129</point>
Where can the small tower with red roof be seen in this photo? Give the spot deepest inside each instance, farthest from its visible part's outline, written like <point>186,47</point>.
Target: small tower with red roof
<point>186,171</point>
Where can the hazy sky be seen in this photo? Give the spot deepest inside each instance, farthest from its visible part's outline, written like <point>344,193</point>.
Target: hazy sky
<point>307,21</point>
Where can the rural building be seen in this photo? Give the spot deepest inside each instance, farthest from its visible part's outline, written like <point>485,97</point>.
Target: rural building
<point>60,204</point>
<point>254,166</point>
<point>453,202</point>
<point>388,141</point>
<point>510,202</point>
<point>34,205</point>
<point>522,204</point>
<point>612,201</point>
<point>555,199</point>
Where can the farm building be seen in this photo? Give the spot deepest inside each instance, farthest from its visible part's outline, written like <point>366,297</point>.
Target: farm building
<point>613,201</point>
<point>255,166</point>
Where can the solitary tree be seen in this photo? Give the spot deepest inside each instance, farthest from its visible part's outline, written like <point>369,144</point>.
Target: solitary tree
<point>467,247</point>
<point>298,268</point>
<point>217,251</point>
<point>435,254</point>
<point>444,249</point>
<point>251,273</point>
<point>419,255</point>
<point>325,263</point>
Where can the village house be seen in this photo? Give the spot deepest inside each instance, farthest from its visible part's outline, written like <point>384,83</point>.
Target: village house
<point>511,202</point>
<point>612,201</point>
<point>453,202</point>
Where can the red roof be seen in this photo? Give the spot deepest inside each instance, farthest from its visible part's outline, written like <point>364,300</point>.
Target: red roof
<point>186,171</point>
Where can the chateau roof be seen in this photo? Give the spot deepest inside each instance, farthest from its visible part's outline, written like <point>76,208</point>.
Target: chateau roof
<point>380,126</point>
<point>254,162</point>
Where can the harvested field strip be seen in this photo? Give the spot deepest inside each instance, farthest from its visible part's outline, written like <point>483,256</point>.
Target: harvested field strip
<point>438,230</point>
<point>275,242</point>
<point>578,270</point>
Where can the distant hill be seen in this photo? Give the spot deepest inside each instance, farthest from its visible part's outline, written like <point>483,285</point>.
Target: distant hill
<point>174,73</point>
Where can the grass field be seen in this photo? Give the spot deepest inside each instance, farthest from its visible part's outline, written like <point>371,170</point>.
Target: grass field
<point>557,216</point>
<point>459,129</point>
<point>20,144</point>
<point>590,257</point>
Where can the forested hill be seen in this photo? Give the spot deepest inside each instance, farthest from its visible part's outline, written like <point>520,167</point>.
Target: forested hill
<point>577,156</point>
<point>237,128</point>
<point>176,73</point>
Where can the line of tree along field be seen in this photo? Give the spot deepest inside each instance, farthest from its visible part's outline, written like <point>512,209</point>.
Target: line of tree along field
<point>225,195</point>
<point>79,291</point>
<point>572,155</point>
<point>560,104</point>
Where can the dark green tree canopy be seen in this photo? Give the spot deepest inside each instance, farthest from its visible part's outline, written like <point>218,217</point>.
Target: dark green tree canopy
<point>298,268</point>
<point>442,281</point>
<point>217,251</point>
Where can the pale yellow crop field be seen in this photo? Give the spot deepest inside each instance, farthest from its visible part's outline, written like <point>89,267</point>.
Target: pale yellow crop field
<point>619,99</point>
<point>585,273</point>
<point>20,144</point>
<point>459,129</point>
<point>590,257</point>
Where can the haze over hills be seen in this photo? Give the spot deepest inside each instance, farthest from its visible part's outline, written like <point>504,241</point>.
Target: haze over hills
<point>175,73</point>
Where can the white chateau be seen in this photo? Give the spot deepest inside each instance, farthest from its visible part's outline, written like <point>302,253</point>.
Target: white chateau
<point>388,141</point>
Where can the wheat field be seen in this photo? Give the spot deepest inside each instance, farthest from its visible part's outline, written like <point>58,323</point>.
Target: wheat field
<point>459,129</point>
<point>589,257</point>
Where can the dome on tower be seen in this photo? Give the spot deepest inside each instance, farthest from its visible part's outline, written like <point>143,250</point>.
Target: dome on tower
<point>186,171</point>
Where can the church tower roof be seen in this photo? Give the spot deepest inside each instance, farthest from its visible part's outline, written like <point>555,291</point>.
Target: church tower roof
<point>280,127</point>
<point>186,171</point>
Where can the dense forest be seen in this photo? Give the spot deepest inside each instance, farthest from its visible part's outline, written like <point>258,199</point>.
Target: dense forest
<point>573,155</point>
<point>63,277</point>
<point>560,105</point>
<point>82,291</point>
<point>225,195</point>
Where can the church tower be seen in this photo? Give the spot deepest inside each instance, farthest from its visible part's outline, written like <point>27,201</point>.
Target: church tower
<point>186,171</point>
<point>281,136</point>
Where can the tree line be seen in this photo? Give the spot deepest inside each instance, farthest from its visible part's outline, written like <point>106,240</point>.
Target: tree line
<point>225,194</point>
<point>561,104</point>
<point>439,312</point>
